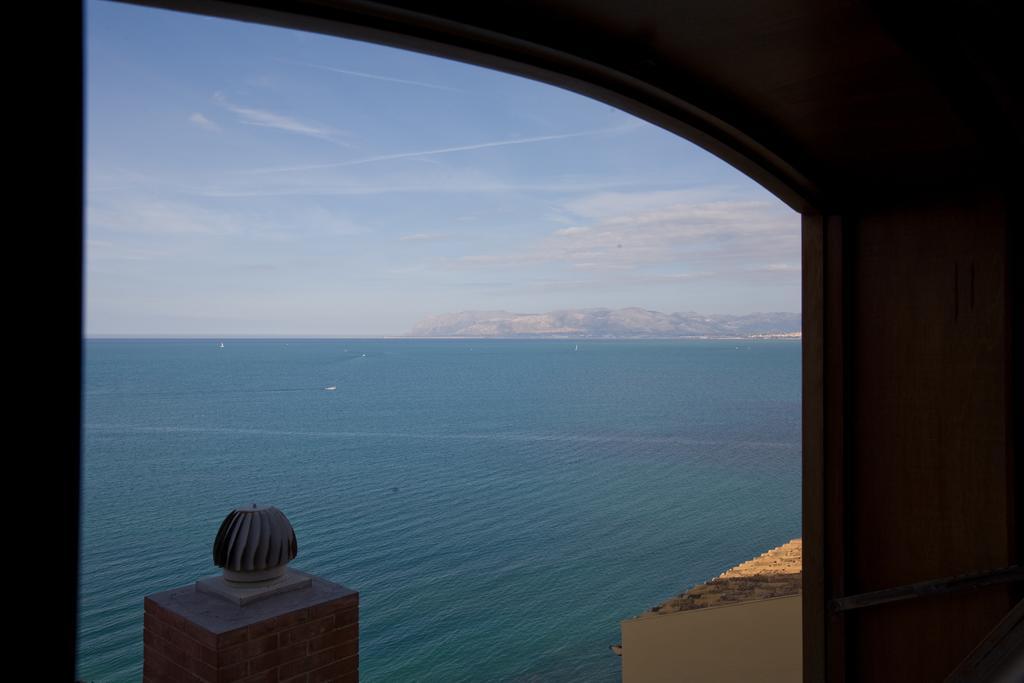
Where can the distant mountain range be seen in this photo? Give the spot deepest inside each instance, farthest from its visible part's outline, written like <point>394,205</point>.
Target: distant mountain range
<point>604,323</point>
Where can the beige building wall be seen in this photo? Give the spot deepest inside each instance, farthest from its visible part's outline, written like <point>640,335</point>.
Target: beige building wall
<point>748,641</point>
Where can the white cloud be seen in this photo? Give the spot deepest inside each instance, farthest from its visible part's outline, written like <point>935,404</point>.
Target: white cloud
<point>619,281</point>
<point>161,217</point>
<point>269,119</point>
<point>316,219</point>
<point>634,236</point>
<point>452,181</point>
<point>105,250</point>
<point>204,123</point>
<point>424,237</point>
<point>610,204</point>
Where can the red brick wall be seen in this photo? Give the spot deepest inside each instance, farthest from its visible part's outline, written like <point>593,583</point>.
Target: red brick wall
<point>319,643</point>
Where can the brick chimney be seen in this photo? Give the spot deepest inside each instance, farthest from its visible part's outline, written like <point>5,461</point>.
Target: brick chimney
<point>259,621</point>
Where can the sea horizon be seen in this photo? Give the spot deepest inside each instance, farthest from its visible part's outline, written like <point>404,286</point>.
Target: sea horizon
<point>215,338</point>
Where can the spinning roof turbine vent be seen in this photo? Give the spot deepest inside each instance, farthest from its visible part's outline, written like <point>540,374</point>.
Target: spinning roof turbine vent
<point>254,543</point>
<point>257,591</point>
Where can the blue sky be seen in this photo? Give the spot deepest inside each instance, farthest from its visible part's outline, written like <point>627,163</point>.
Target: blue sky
<point>248,180</point>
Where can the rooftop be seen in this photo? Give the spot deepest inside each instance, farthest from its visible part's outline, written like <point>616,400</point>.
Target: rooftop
<point>773,574</point>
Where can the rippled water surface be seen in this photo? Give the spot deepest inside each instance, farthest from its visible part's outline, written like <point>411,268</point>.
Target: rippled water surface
<point>499,505</point>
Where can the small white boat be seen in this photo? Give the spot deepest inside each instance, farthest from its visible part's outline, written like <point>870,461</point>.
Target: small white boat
<point>330,388</point>
<point>577,348</point>
<point>222,345</point>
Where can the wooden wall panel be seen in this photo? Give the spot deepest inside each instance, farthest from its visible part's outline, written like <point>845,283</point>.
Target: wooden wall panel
<point>926,430</point>
<point>814,596</point>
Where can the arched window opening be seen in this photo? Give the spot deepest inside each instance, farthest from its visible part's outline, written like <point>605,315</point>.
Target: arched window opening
<point>516,364</point>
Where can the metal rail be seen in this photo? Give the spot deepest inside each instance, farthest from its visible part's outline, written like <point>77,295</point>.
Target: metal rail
<point>927,588</point>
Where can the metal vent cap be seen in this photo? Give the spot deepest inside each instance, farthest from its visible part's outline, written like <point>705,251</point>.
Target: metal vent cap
<point>254,543</point>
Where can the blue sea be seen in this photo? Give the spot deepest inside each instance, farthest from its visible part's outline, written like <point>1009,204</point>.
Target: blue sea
<point>499,505</point>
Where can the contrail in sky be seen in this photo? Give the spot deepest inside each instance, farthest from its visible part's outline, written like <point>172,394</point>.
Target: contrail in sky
<point>445,150</point>
<point>372,76</point>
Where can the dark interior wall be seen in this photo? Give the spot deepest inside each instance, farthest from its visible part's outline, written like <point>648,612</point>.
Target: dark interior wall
<point>918,479</point>
<point>928,360</point>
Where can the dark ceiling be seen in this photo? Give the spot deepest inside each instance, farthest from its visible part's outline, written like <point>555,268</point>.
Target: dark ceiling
<point>828,104</point>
